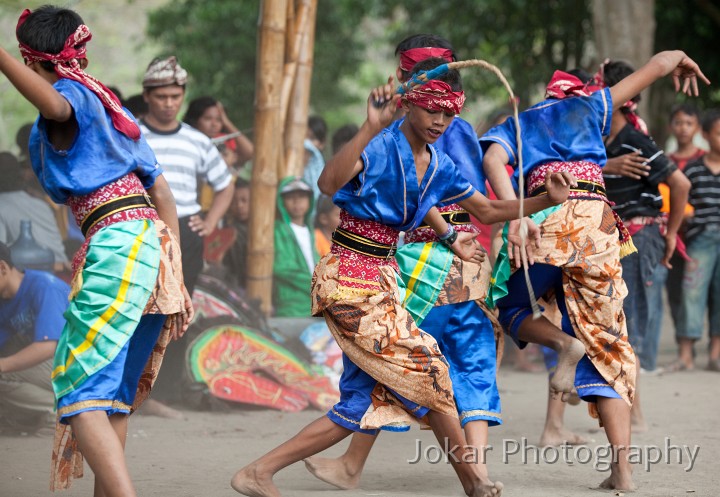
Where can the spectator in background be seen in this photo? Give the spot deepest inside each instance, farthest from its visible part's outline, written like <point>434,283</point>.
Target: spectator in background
<point>186,155</point>
<point>342,135</point>
<point>327,218</point>
<point>237,218</point>
<point>314,146</point>
<point>207,115</point>
<point>136,105</point>
<point>684,126</point>
<point>17,205</point>
<point>295,252</point>
<point>701,281</point>
<point>31,321</point>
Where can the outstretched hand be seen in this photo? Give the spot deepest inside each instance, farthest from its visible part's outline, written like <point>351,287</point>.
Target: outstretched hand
<point>558,186</point>
<point>467,248</point>
<point>382,104</point>
<point>686,74</point>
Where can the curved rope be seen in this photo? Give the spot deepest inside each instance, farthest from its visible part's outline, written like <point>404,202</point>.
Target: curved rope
<point>423,77</point>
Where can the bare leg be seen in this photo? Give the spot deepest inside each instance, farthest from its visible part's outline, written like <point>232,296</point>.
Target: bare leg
<point>343,472</point>
<point>637,418</point>
<point>714,352</point>
<point>100,445</point>
<point>569,349</point>
<point>554,433</point>
<point>462,458</point>
<point>615,416</point>
<point>476,433</point>
<point>119,423</point>
<point>685,353</point>
<point>255,479</point>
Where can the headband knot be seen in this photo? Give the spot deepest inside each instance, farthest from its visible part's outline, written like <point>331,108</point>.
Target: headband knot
<point>66,65</point>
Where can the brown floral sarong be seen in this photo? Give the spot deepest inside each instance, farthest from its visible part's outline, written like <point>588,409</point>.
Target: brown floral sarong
<point>582,238</point>
<point>379,335</point>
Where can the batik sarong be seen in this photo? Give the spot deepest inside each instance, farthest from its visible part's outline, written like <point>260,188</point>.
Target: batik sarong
<point>359,297</point>
<point>581,237</point>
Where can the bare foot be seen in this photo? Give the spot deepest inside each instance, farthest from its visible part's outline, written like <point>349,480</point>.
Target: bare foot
<point>152,407</point>
<point>619,480</point>
<point>488,489</point>
<point>248,481</point>
<point>564,378</point>
<point>557,438</point>
<point>333,471</point>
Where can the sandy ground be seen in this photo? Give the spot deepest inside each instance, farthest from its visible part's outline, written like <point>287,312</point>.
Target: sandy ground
<point>196,457</point>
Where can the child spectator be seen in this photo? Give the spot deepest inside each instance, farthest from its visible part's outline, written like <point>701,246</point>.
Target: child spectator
<point>31,321</point>
<point>237,219</point>
<point>208,116</point>
<point>314,146</point>
<point>684,126</point>
<point>327,218</point>
<point>342,135</point>
<point>295,252</point>
<point>701,282</point>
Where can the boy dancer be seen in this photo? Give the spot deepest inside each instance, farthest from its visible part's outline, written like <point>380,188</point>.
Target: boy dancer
<point>578,253</point>
<point>393,372</point>
<point>127,285</point>
<point>446,295</point>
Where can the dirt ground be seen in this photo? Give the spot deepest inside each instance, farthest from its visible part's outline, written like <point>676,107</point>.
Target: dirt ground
<point>196,457</point>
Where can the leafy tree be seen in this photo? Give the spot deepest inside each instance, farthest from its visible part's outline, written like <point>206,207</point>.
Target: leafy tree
<point>215,40</point>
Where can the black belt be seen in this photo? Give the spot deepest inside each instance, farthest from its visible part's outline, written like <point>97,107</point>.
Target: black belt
<point>583,186</point>
<point>454,217</point>
<point>113,206</point>
<point>362,245</point>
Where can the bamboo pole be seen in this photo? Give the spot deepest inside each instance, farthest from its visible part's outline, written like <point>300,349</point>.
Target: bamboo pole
<point>268,144</point>
<point>298,26</point>
<point>296,124</point>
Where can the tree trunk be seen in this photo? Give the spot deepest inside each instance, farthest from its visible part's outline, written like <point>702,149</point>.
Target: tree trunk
<point>296,124</point>
<point>268,144</point>
<point>625,30</point>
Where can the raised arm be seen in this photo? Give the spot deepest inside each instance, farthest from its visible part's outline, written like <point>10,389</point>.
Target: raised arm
<point>35,88</point>
<point>685,73</point>
<point>494,162</point>
<point>346,163</point>
<point>494,211</point>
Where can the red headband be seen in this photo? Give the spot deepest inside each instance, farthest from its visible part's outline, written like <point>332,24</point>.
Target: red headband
<point>563,85</point>
<point>67,66</point>
<point>436,95</point>
<point>410,57</point>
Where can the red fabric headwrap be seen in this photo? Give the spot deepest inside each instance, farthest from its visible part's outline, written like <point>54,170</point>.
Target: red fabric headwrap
<point>412,56</point>
<point>67,66</point>
<point>563,85</point>
<point>436,95</point>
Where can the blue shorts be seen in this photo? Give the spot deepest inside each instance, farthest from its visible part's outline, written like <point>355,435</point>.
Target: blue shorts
<point>515,308</point>
<point>113,388</point>
<point>356,387</point>
<point>467,340</point>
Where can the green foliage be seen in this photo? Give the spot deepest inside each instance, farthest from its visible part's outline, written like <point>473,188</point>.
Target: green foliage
<point>527,40</point>
<point>216,40</point>
<point>691,26</point>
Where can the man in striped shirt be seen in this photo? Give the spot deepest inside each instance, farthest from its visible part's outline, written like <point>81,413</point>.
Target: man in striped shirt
<point>186,156</point>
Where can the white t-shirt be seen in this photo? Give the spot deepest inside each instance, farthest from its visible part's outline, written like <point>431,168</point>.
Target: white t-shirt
<point>302,234</point>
